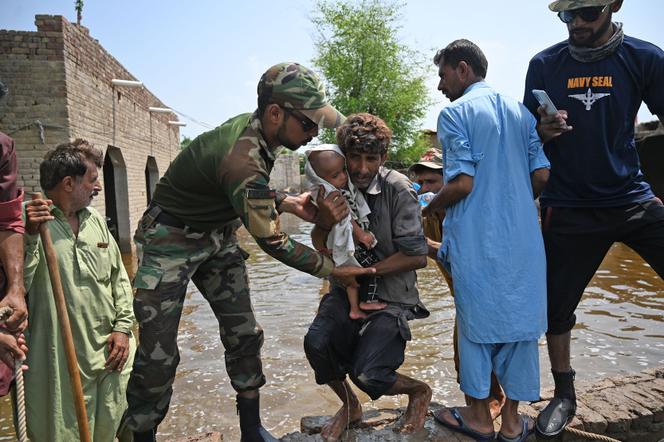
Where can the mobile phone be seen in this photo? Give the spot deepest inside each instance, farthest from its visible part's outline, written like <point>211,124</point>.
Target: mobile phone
<point>544,100</point>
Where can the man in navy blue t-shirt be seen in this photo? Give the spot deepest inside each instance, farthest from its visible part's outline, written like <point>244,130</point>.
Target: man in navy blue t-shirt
<point>596,194</point>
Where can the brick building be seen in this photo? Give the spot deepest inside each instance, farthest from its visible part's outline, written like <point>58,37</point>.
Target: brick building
<point>60,88</point>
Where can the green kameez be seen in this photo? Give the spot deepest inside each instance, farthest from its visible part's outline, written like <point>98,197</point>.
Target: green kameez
<point>99,301</point>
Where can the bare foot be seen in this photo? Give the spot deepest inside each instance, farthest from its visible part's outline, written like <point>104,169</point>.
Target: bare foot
<point>510,430</point>
<point>335,427</point>
<point>357,314</point>
<point>371,306</point>
<point>416,413</point>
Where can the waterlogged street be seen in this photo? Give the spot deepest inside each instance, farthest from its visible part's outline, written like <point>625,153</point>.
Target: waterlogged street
<point>619,330</point>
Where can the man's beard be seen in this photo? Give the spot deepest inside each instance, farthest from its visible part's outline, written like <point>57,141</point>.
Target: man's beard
<point>285,141</point>
<point>366,181</point>
<point>589,42</point>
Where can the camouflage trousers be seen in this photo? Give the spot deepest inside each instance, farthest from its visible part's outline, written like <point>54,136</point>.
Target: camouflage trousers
<point>168,258</point>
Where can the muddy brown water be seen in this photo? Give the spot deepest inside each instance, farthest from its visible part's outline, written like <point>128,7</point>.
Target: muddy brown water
<point>619,330</point>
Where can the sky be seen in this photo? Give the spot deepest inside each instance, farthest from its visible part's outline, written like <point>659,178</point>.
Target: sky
<point>203,58</point>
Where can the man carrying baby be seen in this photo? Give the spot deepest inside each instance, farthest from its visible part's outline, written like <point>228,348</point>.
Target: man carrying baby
<point>371,351</point>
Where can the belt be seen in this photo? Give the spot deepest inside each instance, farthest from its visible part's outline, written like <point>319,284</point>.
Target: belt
<point>172,221</point>
<point>169,220</point>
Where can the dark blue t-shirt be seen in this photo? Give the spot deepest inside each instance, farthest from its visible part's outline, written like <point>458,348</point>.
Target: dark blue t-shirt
<point>596,164</point>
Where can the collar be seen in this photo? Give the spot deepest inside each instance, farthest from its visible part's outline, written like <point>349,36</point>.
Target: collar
<point>257,126</point>
<point>374,186</point>
<point>82,214</point>
<point>477,85</point>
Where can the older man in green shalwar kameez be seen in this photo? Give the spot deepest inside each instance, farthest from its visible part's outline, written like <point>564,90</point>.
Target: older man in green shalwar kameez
<point>98,296</point>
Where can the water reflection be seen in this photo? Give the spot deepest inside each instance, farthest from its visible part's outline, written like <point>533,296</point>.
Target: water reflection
<point>619,330</point>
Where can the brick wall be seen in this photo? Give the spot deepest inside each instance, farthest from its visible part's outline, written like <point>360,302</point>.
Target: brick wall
<point>118,117</point>
<point>61,77</point>
<point>34,113</point>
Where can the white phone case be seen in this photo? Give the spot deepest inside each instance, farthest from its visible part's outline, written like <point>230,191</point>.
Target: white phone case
<point>544,100</point>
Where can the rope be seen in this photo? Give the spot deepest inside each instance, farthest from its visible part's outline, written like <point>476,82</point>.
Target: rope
<point>21,430</point>
<point>22,434</point>
<point>591,436</point>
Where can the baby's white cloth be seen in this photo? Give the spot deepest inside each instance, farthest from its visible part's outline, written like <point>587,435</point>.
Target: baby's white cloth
<point>340,239</point>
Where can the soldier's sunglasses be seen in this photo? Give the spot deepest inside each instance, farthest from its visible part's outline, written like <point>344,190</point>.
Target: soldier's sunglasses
<point>305,122</point>
<point>589,14</point>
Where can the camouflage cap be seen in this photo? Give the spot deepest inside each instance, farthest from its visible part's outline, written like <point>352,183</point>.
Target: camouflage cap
<point>293,86</point>
<point>432,159</point>
<point>566,5</point>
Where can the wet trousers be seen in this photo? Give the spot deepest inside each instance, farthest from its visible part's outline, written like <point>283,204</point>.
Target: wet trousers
<point>578,239</point>
<point>370,351</point>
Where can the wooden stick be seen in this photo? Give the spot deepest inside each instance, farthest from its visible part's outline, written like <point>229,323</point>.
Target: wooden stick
<point>65,329</point>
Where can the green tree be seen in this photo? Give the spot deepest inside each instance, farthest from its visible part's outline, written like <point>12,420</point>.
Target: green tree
<point>185,142</point>
<point>367,68</point>
<point>78,5</point>
<point>411,153</point>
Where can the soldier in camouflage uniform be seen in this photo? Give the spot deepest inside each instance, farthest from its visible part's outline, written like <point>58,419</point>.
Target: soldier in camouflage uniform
<point>218,183</point>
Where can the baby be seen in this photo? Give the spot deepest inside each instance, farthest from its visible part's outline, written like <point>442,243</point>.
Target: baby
<point>326,166</point>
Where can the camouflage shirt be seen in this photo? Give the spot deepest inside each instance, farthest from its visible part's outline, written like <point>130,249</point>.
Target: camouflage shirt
<point>224,174</point>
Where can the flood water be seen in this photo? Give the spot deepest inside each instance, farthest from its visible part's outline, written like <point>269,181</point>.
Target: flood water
<point>619,330</point>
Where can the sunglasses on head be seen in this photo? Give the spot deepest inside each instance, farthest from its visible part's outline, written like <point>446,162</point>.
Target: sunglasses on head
<point>304,121</point>
<point>588,14</point>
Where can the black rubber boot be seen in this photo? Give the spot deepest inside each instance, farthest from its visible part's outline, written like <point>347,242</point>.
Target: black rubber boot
<point>251,429</point>
<point>148,436</point>
<point>553,419</point>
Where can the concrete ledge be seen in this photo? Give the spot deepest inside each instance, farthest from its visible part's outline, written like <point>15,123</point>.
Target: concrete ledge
<point>629,408</point>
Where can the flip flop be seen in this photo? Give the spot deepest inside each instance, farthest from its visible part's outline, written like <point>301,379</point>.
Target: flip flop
<point>463,428</point>
<point>525,432</point>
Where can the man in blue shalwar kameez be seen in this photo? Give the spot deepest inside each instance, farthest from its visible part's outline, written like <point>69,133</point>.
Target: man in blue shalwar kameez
<point>494,167</point>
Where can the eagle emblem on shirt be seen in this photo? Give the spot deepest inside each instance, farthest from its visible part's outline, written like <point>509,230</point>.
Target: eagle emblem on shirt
<point>589,98</point>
